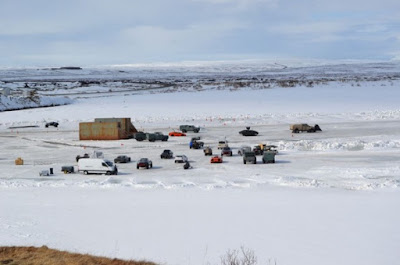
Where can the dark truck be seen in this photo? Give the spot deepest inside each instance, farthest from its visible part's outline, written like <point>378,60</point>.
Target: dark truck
<point>268,157</point>
<point>249,157</point>
<point>188,128</point>
<point>151,137</point>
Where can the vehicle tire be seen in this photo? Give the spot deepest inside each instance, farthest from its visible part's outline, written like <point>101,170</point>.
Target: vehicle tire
<point>47,126</point>
<point>147,167</point>
<point>231,154</point>
<point>56,126</point>
<point>151,166</point>
<point>255,162</point>
<point>85,172</point>
<point>184,131</point>
<point>296,131</point>
<point>108,173</point>
<point>137,167</point>
<point>263,161</point>
<point>244,161</point>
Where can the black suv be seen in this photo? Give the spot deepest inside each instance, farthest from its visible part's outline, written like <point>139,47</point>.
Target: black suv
<point>167,154</point>
<point>53,123</point>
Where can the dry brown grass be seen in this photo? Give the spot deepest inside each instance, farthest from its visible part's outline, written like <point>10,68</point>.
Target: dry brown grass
<point>47,256</point>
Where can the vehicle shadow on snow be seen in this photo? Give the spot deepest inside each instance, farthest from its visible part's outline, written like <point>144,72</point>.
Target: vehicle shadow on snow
<point>154,167</point>
<point>282,162</point>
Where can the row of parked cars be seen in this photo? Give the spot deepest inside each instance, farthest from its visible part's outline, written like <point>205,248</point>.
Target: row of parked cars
<point>97,164</point>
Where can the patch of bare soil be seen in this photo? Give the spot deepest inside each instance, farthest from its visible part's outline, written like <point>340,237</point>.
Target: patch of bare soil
<point>47,256</point>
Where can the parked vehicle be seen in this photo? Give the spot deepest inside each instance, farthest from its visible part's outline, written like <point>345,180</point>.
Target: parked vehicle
<point>181,159</point>
<point>166,154</point>
<point>296,128</point>
<point>122,159</point>
<point>226,151</point>
<point>176,134</point>
<point>144,162</point>
<point>271,148</point>
<point>268,157</point>
<point>188,128</point>
<point>140,136</point>
<point>248,132</point>
<point>258,150</point>
<point>97,166</point>
<point>249,157</point>
<point>195,143</point>
<point>222,144</point>
<point>52,123</point>
<point>44,173</point>
<point>216,159</point>
<point>151,137</point>
<point>67,169</point>
<point>157,136</point>
<point>243,149</point>
<point>80,157</point>
<point>207,151</point>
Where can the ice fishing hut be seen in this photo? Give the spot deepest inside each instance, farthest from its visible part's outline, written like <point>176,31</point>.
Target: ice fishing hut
<point>107,129</point>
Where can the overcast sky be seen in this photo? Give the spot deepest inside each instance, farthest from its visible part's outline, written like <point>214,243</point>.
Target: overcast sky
<point>93,32</point>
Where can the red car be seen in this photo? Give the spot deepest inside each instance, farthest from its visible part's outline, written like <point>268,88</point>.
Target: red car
<point>216,159</point>
<point>176,134</point>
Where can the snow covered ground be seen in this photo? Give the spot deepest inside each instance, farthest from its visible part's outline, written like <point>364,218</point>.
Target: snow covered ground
<point>331,197</point>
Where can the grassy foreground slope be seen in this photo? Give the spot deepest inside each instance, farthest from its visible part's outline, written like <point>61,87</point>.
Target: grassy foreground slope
<point>47,256</point>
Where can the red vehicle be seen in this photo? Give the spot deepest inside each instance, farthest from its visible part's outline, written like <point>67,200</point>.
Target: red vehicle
<point>216,159</point>
<point>176,134</point>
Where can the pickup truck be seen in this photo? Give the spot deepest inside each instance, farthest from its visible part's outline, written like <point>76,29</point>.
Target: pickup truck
<point>187,128</point>
<point>303,127</point>
<point>249,157</point>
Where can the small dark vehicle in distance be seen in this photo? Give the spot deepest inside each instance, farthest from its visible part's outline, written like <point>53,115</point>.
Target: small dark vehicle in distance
<point>268,157</point>
<point>67,169</point>
<point>207,151</point>
<point>52,123</point>
<point>144,162</point>
<point>249,157</point>
<point>226,151</point>
<point>187,128</point>
<point>122,159</point>
<point>167,154</point>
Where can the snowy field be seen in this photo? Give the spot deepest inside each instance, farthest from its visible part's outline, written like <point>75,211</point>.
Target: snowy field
<point>330,198</point>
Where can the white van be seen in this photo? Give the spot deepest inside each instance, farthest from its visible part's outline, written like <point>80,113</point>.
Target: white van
<point>97,166</point>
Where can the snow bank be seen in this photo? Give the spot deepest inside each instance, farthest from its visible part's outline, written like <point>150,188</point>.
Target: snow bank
<point>16,103</point>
